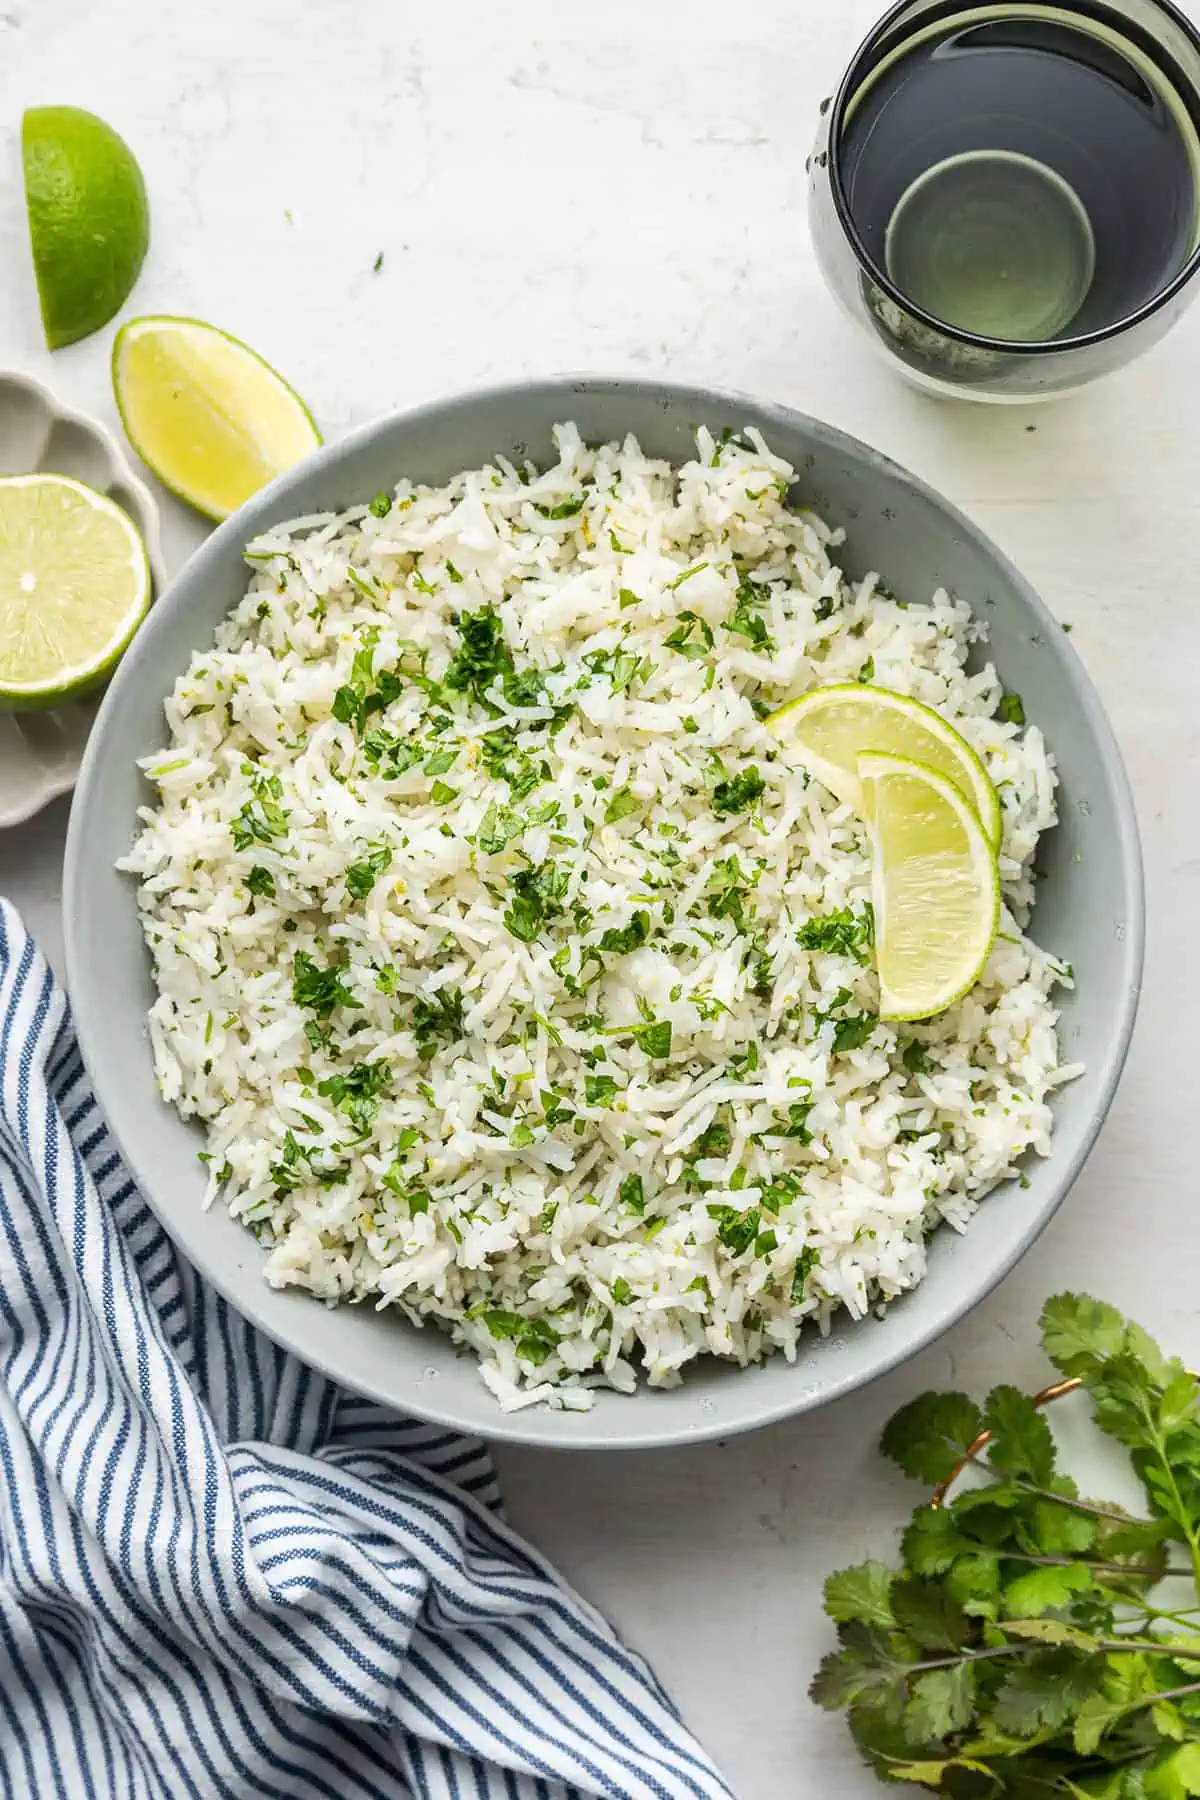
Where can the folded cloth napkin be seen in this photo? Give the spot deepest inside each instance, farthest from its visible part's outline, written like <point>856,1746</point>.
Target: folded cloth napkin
<point>220,1576</point>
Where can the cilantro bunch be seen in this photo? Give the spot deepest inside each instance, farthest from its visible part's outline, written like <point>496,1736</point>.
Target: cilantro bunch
<point>1030,1644</point>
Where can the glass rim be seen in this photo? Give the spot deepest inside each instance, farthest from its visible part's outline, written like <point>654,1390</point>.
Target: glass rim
<point>1013,347</point>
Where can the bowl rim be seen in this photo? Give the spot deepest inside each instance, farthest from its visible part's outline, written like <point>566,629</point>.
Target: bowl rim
<point>535,1427</point>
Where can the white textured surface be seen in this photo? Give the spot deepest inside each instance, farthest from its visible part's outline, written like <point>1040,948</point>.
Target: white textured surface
<point>621,188</point>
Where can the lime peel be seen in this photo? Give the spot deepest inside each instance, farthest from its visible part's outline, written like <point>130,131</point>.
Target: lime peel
<point>89,219</point>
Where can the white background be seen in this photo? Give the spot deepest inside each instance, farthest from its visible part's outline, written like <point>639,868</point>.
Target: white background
<point>620,187</point>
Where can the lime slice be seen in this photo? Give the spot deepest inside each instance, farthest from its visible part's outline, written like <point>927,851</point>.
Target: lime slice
<point>831,726</point>
<point>212,419</point>
<point>74,587</point>
<point>89,222</point>
<point>935,887</point>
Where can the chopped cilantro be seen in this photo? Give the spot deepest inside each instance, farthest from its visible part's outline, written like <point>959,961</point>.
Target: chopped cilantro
<point>686,576</point>
<point>806,1263</point>
<point>483,657</point>
<point>745,621</point>
<point>916,1058</point>
<point>537,897</point>
<point>841,933</point>
<point>441,762</point>
<point>362,876</point>
<point>357,1093</point>
<point>622,803</point>
<point>565,509</point>
<point>853,1033</point>
<point>682,639</point>
<point>736,1230</point>
<point>728,888</point>
<point>260,821</point>
<point>621,1290</point>
<point>632,1194</point>
<point>736,795</point>
<point>599,1090</point>
<point>1011,710</point>
<point>261,882</point>
<point>629,937</point>
<point>381,505</point>
<point>319,990</point>
<point>439,1016</point>
<point>654,1038</point>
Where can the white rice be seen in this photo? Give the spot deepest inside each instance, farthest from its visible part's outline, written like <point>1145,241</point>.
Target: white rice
<point>517,1164</point>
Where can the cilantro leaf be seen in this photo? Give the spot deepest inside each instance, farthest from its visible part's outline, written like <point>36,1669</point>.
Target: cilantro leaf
<point>862,1592</point>
<point>929,1437</point>
<point>942,1703</point>
<point>1021,1444</point>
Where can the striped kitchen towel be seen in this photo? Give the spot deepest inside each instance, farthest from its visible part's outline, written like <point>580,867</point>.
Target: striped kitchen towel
<point>220,1576</point>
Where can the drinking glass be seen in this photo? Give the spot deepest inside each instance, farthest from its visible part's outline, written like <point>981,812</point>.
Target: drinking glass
<point>1006,197</point>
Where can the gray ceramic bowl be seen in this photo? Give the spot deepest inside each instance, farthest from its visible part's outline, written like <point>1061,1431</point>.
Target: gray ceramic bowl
<point>1090,907</point>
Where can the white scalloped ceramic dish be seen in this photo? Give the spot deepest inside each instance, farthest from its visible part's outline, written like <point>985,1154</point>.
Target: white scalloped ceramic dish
<point>40,752</point>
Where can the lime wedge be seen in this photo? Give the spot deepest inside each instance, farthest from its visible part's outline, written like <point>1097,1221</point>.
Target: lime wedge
<point>830,727</point>
<point>936,888</point>
<point>89,222</point>
<point>74,587</point>
<point>212,419</point>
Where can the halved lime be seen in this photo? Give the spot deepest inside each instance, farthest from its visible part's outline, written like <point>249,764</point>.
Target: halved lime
<point>935,886</point>
<point>830,727</point>
<point>74,587</point>
<point>208,415</point>
<point>89,221</point>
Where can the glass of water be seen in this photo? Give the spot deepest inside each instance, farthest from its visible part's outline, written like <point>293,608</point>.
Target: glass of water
<point>1007,196</point>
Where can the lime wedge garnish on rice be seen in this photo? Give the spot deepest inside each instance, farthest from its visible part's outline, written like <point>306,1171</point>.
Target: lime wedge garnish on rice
<point>830,727</point>
<point>935,886</point>
<point>74,587</point>
<point>209,416</point>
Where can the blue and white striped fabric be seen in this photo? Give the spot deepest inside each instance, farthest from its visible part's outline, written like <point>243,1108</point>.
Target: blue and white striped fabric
<point>221,1577</point>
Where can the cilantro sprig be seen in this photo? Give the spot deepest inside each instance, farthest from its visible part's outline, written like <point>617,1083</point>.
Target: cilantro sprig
<point>1024,1646</point>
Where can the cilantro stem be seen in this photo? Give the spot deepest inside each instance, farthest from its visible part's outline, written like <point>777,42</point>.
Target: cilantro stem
<point>1179,1693</point>
<point>1083,1506</point>
<point>1181,1512</point>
